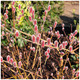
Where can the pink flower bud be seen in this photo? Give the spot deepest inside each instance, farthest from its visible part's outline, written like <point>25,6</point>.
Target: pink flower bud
<point>2,33</point>
<point>46,53</point>
<point>8,58</point>
<point>42,43</point>
<point>6,11</point>
<point>76,32</point>
<point>1,59</point>
<point>62,53</point>
<point>48,50</point>
<point>70,37</point>
<point>60,46</point>
<point>14,64</point>
<point>58,36</point>
<point>44,18</point>
<point>63,44</point>
<point>48,56</point>
<point>45,12</point>
<point>19,6</point>
<point>13,9</point>
<point>63,29</point>
<point>56,43</point>
<point>48,41</point>
<point>49,7</point>
<point>33,38</point>
<point>13,2</point>
<point>36,28</point>
<point>35,22</point>
<point>66,43</point>
<point>22,11</point>
<point>17,34</point>
<point>30,18</point>
<point>33,49</point>
<point>33,16</point>
<point>38,39</point>
<point>55,24</point>
<point>19,64</point>
<point>11,60</point>
<point>57,33</point>
<point>77,74</point>
<point>6,16</point>
<point>70,48</point>
<point>39,35</point>
<point>8,48</point>
<point>20,56</point>
<point>31,10</point>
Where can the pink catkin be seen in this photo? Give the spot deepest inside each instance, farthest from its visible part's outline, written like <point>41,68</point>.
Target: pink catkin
<point>42,43</point>
<point>13,2</point>
<point>48,50</point>
<point>70,48</point>
<point>56,43</point>
<point>19,6</point>
<point>19,64</point>
<point>30,18</point>
<point>48,41</point>
<point>14,64</point>
<point>45,12</point>
<point>63,44</point>
<point>17,34</point>
<point>22,11</point>
<point>48,56</point>
<point>33,38</point>
<point>8,58</point>
<point>38,39</point>
<point>1,59</point>
<point>13,9</point>
<point>35,22</point>
<point>55,24</point>
<point>46,53</point>
<point>49,7</point>
<point>60,46</point>
<point>36,28</point>
<point>30,10</point>
<point>20,56</point>
<point>11,60</point>
<point>6,16</point>
<point>33,49</point>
